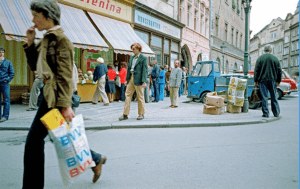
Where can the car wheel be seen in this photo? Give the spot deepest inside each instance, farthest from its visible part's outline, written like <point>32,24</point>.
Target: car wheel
<point>254,105</point>
<point>279,94</point>
<point>196,100</point>
<point>203,97</point>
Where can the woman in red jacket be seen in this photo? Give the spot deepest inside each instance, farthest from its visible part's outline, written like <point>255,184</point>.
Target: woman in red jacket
<point>110,87</point>
<point>122,75</point>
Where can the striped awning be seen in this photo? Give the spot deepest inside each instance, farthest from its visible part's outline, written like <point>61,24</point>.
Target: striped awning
<point>16,18</point>
<point>120,35</point>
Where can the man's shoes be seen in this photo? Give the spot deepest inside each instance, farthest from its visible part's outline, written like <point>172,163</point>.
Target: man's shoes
<point>3,119</point>
<point>276,115</point>
<point>175,106</point>
<point>94,103</point>
<point>106,104</point>
<point>171,106</point>
<point>265,116</point>
<point>123,117</point>
<point>31,109</point>
<point>140,117</point>
<point>97,169</point>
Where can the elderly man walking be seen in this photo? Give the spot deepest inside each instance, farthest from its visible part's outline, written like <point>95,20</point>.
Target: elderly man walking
<point>99,75</point>
<point>175,81</point>
<point>155,80</point>
<point>267,75</point>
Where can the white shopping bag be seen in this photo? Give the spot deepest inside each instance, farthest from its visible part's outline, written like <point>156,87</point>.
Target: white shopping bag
<point>73,152</point>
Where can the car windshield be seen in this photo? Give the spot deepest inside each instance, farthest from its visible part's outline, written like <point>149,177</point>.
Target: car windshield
<point>203,69</point>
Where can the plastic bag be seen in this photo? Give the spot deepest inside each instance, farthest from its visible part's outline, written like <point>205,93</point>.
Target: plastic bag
<point>72,149</point>
<point>118,81</point>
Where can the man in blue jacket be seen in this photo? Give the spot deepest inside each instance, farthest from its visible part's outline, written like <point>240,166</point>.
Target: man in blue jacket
<point>7,73</point>
<point>155,80</point>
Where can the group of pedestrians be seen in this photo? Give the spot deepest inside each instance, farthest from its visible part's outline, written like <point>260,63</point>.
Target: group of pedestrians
<point>54,64</point>
<point>109,79</point>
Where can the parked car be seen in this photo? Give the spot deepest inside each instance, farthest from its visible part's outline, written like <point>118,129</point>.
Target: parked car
<point>286,78</point>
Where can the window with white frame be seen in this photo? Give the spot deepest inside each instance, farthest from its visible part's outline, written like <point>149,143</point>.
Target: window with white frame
<point>232,33</point>
<point>202,24</point>
<point>189,16</point>
<point>293,46</point>
<point>286,50</point>
<point>241,40</point>
<point>285,63</point>
<point>196,3</point>
<point>181,13</point>
<point>273,50</point>
<point>202,7</point>
<point>279,49</point>
<point>236,38</point>
<point>226,32</point>
<point>206,28</point>
<point>287,39</point>
<point>217,26</point>
<point>297,45</point>
<point>297,61</point>
<point>196,21</point>
<point>273,35</point>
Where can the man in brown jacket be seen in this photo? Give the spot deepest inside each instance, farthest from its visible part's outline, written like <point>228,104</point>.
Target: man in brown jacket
<point>52,58</point>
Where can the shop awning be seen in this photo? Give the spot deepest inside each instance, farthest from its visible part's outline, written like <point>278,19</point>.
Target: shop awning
<point>120,35</point>
<point>16,18</point>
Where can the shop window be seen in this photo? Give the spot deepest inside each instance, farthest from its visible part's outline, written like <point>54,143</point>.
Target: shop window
<point>174,46</point>
<point>173,58</point>
<point>167,46</point>
<point>143,36</point>
<point>156,41</point>
<point>157,57</point>
<point>90,59</point>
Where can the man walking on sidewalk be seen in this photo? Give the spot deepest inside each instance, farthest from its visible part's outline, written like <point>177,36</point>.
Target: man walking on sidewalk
<point>175,81</point>
<point>7,73</point>
<point>267,75</point>
<point>54,63</point>
<point>99,75</point>
<point>135,81</point>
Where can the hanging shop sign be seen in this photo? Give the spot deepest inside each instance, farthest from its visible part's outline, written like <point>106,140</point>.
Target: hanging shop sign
<point>156,24</point>
<point>109,8</point>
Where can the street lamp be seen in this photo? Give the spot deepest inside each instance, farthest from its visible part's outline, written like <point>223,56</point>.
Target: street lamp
<point>223,47</point>
<point>247,7</point>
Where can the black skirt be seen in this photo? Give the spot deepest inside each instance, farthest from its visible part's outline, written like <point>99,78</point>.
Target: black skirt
<point>110,87</point>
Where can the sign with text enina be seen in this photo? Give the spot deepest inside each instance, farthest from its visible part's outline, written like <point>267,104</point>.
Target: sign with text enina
<point>156,24</point>
<point>104,7</point>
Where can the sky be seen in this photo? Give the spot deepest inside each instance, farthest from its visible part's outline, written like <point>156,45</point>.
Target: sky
<point>264,11</point>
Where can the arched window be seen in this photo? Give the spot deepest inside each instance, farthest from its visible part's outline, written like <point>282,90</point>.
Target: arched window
<point>199,58</point>
<point>227,67</point>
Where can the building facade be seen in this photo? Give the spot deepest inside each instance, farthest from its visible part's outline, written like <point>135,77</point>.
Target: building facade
<point>272,34</point>
<point>283,36</point>
<point>228,27</point>
<point>195,35</point>
<point>291,44</point>
<point>156,24</point>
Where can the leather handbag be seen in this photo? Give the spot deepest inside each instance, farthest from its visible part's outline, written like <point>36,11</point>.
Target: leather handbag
<point>255,96</point>
<point>75,100</point>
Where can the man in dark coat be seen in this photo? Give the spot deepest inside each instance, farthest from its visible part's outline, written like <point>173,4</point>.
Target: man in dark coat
<point>155,80</point>
<point>135,81</point>
<point>267,75</point>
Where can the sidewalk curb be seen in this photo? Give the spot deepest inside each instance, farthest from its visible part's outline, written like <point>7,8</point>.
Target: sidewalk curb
<point>140,125</point>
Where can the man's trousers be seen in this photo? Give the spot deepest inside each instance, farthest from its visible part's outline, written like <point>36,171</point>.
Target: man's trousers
<point>128,95</point>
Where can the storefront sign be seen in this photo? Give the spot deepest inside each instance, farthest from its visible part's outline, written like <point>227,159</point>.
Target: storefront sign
<point>109,8</point>
<point>156,24</point>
